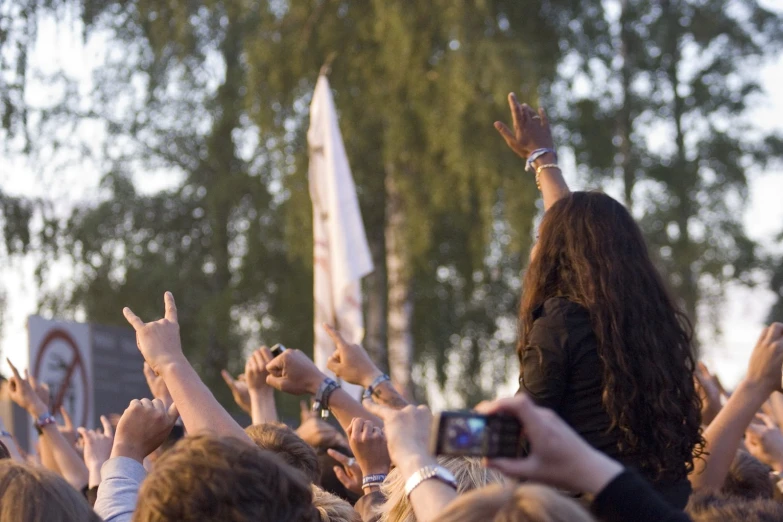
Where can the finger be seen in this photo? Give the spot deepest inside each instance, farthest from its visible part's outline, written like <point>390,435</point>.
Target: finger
<point>343,477</point>
<point>149,373</point>
<point>517,114</point>
<point>544,118</point>
<point>350,427</point>
<point>83,432</point>
<point>133,319</point>
<point>146,402</point>
<point>229,380</point>
<point>173,412</point>
<point>366,429</point>
<point>339,457</point>
<point>108,430</point>
<point>66,418</point>
<point>505,131</point>
<point>265,354</point>
<point>767,420</point>
<point>170,306</point>
<point>276,365</point>
<point>13,369</point>
<point>754,430</point>
<point>275,382</point>
<point>519,468</point>
<point>250,365</point>
<point>259,360</point>
<point>379,410</point>
<point>335,335</point>
<point>32,380</point>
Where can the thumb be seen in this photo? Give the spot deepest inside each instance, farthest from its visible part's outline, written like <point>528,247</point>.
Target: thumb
<point>276,382</point>
<point>342,476</point>
<point>517,468</point>
<point>173,413</point>
<point>229,379</point>
<point>66,418</point>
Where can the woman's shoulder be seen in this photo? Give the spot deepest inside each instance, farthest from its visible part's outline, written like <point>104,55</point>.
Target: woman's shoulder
<point>556,309</point>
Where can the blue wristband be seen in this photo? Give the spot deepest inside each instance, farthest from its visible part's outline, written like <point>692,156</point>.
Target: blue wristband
<point>535,155</point>
<point>373,480</point>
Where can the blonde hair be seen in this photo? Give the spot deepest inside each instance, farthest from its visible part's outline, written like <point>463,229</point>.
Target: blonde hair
<point>470,475</point>
<point>37,495</point>
<point>525,503</point>
<point>332,508</point>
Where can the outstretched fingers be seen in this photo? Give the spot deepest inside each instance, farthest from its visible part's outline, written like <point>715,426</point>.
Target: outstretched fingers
<point>133,319</point>
<point>171,307</point>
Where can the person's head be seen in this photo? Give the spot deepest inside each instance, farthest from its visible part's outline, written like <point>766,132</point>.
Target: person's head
<point>592,252</point>
<point>205,479</point>
<point>469,472</point>
<point>714,506</point>
<point>748,478</point>
<point>332,508</point>
<point>282,440</point>
<point>37,495</point>
<point>525,503</point>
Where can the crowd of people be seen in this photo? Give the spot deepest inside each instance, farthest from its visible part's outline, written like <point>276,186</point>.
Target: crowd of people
<point>619,421</point>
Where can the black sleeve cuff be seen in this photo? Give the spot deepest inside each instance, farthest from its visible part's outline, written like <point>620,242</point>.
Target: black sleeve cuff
<point>630,497</point>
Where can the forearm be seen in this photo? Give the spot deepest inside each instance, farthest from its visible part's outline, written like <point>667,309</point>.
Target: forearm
<point>722,437</point>
<point>47,457</point>
<point>70,463</point>
<point>430,498</point>
<point>386,394</point>
<point>552,184</point>
<point>94,476</point>
<point>262,406</point>
<point>200,411</point>
<point>345,408</point>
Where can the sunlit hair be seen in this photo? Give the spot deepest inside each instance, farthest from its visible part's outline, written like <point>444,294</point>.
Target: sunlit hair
<point>209,479</point>
<point>748,478</point>
<point>525,503</point>
<point>36,495</point>
<point>469,472</point>
<point>714,506</point>
<point>279,438</point>
<point>591,252</point>
<point>332,508</point>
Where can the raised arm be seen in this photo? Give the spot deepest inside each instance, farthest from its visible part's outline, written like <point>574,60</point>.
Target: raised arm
<point>723,435</point>
<point>68,461</point>
<point>532,134</point>
<point>161,347</point>
<point>293,372</point>
<point>262,396</point>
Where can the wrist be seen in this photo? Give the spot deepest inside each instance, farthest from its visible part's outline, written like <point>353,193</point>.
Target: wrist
<point>171,364</point>
<point>263,391</point>
<point>414,462</point>
<point>315,382</point>
<point>545,159</point>
<point>370,378</point>
<point>375,469</point>
<point>129,450</point>
<point>37,410</point>
<point>597,473</point>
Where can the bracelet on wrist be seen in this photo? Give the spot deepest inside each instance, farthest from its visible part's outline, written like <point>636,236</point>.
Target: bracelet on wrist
<point>535,155</point>
<point>372,388</point>
<point>4,433</point>
<point>373,480</point>
<point>427,473</point>
<point>544,167</point>
<point>44,420</point>
<point>321,402</point>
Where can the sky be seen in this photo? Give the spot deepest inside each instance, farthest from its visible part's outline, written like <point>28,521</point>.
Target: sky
<point>742,315</point>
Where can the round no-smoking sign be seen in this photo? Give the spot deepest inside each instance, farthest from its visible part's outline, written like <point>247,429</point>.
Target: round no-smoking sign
<point>60,364</point>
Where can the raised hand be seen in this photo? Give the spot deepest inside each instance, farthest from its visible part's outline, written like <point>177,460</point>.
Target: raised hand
<point>143,427</point>
<point>238,389</point>
<point>295,373</point>
<point>97,449</point>
<point>709,389</point>
<point>407,433</point>
<point>255,370</point>
<point>22,393</point>
<point>766,361</point>
<point>157,385</point>
<point>764,441</point>
<point>350,362</point>
<point>531,130</point>
<point>348,472</point>
<point>158,341</point>
<point>67,428</point>
<point>368,444</point>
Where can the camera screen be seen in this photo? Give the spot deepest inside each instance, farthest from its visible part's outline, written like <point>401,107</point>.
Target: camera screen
<point>464,435</point>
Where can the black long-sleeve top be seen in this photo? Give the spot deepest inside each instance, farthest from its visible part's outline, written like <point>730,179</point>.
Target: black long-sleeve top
<point>560,369</point>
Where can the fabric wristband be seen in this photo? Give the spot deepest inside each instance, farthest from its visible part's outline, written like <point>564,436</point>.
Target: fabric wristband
<point>535,155</point>
<point>373,480</point>
<point>370,391</point>
<point>44,420</point>
<point>321,402</point>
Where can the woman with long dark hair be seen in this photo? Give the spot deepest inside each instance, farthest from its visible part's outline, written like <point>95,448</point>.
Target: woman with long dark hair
<point>601,341</point>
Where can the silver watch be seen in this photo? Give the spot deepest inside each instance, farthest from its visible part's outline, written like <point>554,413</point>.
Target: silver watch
<point>427,473</point>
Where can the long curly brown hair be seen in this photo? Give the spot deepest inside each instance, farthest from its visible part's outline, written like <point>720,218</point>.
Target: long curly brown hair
<point>591,251</point>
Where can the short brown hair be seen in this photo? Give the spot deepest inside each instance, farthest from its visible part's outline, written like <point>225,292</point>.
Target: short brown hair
<point>204,478</point>
<point>279,438</point>
<point>748,478</point>
<point>712,506</point>
<point>37,495</point>
<point>525,503</point>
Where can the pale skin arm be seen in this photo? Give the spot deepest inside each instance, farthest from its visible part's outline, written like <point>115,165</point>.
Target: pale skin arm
<point>723,435</point>
<point>161,347</point>
<point>531,132</point>
<point>262,396</point>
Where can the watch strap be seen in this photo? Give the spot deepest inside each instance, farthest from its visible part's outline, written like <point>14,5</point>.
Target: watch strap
<point>429,472</point>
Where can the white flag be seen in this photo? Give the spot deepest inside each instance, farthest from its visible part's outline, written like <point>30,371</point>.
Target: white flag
<point>341,254</point>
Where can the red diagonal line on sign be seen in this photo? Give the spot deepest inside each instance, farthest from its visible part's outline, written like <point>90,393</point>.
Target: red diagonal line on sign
<point>58,401</point>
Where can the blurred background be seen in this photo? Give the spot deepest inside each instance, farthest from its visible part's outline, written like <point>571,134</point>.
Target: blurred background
<point>161,145</point>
